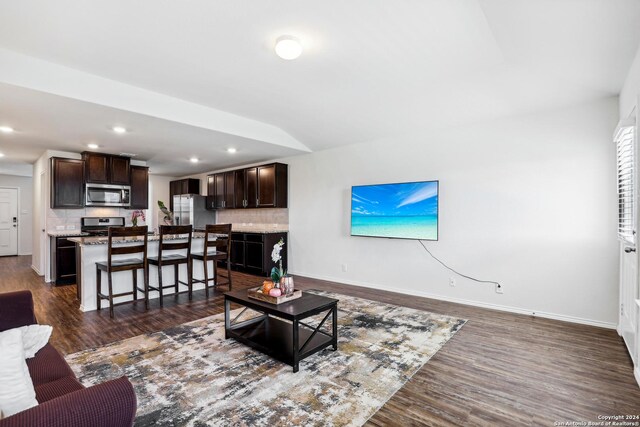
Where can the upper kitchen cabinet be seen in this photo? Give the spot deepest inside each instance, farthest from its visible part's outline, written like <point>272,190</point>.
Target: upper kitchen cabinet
<point>230,190</point>
<point>120,170</point>
<point>139,187</point>
<point>67,183</point>
<point>257,187</point>
<point>184,186</point>
<point>96,166</point>
<point>106,169</point>
<point>272,186</point>
<point>246,188</point>
<point>220,189</point>
<point>215,191</point>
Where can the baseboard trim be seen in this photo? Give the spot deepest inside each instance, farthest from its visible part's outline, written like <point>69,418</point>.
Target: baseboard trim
<point>33,267</point>
<point>636,373</point>
<point>509,309</point>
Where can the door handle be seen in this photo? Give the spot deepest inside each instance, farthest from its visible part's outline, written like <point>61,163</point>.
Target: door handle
<point>628,250</point>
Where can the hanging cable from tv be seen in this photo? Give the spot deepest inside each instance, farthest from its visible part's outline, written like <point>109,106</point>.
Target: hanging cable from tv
<point>456,272</point>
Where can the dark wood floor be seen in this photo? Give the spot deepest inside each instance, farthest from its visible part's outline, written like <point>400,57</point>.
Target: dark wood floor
<point>500,369</point>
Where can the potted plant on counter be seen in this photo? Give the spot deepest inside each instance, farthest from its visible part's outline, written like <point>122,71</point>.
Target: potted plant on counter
<point>165,213</point>
<point>135,215</point>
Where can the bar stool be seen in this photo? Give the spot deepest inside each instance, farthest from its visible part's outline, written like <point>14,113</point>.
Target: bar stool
<point>174,259</point>
<point>222,253</point>
<point>130,264</point>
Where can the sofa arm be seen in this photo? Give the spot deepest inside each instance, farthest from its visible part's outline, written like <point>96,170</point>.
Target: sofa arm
<point>16,309</point>
<point>110,404</point>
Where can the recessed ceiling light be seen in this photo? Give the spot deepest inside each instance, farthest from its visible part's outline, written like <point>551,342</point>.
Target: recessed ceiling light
<point>194,160</point>
<point>119,129</point>
<point>93,146</point>
<point>1,155</point>
<point>6,129</point>
<point>231,150</point>
<point>288,47</point>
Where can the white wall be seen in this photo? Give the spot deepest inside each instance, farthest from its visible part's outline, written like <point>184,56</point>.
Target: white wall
<point>25,209</point>
<point>158,190</point>
<point>631,89</point>
<point>528,201</point>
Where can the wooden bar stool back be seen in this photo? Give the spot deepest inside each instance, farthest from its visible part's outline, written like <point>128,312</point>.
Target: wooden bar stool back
<point>218,237</point>
<point>111,265</point>
<point>173,238</point>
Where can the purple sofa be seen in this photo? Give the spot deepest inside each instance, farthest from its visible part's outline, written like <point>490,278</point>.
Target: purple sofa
<point>63,401</point>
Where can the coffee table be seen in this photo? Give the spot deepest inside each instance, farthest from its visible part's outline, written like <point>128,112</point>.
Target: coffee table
<point>279,330</point>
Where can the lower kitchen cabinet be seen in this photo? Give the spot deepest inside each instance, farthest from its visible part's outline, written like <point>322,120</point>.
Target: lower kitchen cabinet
<point>251,252</point>
<point>63,261</point>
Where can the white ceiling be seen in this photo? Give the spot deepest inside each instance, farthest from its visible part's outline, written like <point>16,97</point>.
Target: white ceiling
<point>370,68</point>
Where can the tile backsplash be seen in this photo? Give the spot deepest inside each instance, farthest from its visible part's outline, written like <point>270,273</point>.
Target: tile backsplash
<point>269,216</point>
<point>70,218</point>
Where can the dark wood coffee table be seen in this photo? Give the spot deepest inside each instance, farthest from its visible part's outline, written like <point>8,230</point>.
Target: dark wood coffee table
<point>280,331</point>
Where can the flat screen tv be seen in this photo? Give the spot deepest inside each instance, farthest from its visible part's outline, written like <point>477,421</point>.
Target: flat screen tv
<point>405,211</point>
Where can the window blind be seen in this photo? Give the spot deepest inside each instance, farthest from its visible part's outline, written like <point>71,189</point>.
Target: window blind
<point>626,182</point>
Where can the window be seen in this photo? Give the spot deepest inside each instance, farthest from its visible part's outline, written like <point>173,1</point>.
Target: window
<point>625,147</point>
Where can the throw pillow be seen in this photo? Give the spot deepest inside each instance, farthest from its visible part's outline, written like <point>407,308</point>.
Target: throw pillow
<point>34,337</point>
<point>16,387</point>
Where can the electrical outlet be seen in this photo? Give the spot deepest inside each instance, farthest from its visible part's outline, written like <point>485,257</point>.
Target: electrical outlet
<point>452,281</point>
<point>71,227</point>
<point>499,289</point>
<point>344,268</point>
<point>59,227</point>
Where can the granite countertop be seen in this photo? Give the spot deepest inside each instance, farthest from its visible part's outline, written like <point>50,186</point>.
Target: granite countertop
<point>259,228</point>
<point>91,241</point>
<point>67,233</point>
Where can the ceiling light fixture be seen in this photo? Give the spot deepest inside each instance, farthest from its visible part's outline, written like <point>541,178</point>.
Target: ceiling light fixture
<point>6,129</point>
<point>1,155</point>
<point>119,129</point>
<point>194,160</point>
<point>288,47</point>
<point>231,150</point>
<point>93,146</point>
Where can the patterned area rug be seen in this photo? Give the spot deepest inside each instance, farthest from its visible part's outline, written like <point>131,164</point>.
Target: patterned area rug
<point>190,375</point>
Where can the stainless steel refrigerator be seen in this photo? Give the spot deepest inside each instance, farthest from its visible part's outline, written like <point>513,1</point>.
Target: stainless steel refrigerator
<point>189,209</point>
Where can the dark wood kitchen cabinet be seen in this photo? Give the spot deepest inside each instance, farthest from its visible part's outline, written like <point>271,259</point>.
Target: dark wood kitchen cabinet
<point>246,188</point>
<point>139,187</point>
<point>67,183</point>
<point>120,170</point>
<point>96,166</point>
<point>256,187</point>
<point>106,169</point>
<point>63,264</point>
<point>221,190</point>
<point>272,186</point>
<point>229,190</point>
<point>251,252</point>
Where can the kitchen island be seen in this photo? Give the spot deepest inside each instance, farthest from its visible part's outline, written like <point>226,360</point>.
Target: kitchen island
<point>90,250</point>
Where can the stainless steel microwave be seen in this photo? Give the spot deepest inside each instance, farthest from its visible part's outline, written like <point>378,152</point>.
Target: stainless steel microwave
<point>108,195</point>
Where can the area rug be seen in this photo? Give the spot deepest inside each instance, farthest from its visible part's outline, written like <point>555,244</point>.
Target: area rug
<point>190,375</point>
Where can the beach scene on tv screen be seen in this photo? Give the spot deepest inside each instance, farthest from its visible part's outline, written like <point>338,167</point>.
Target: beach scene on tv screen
<point>406,210</point>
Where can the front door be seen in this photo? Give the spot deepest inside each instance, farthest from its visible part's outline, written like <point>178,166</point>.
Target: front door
<point>8,221</point>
